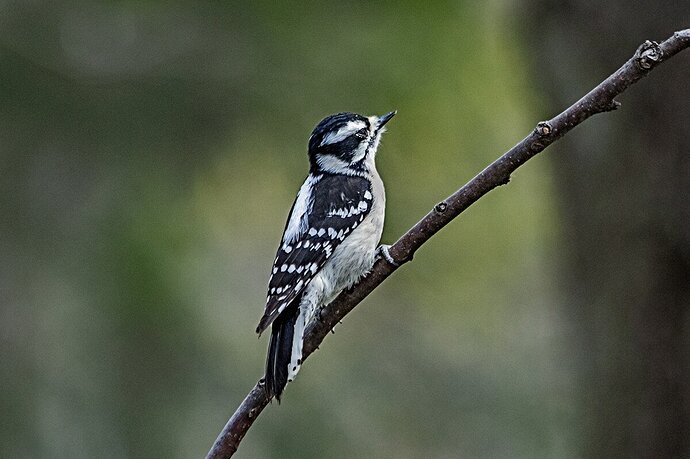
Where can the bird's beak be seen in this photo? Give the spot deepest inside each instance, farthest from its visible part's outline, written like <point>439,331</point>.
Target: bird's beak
<point>383,119</point>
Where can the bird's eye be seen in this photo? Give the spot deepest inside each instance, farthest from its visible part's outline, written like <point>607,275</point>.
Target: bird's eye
<point>362,133</point>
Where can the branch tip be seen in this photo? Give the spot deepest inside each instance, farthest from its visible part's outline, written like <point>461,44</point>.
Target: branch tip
<point>683,35</point>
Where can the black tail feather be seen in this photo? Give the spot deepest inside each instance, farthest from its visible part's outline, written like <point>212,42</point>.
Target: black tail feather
<point>280,351</point>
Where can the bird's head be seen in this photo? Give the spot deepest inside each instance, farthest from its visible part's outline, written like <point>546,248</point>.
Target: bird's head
<point>346,143</point>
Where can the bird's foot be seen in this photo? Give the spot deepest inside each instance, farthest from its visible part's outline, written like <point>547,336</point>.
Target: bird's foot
<point>382,252</point>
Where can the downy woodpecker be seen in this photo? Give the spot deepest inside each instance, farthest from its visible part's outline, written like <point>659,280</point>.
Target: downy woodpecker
<point>330,237</point>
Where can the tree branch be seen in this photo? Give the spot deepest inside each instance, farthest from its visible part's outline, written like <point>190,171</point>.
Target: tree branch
<point>598,100</point>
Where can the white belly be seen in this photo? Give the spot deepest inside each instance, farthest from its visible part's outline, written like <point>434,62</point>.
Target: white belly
<point>352,259</point>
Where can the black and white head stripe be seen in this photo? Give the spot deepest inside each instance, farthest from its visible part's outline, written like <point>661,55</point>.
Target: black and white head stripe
<point>341,143</point>
<point>336,128</point>
<point>350,128</point>
<point>327,209</point>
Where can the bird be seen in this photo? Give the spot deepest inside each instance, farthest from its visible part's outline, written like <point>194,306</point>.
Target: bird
<point>330,239</point>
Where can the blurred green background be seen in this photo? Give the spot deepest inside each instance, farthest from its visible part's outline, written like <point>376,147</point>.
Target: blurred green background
<point>150,152</point>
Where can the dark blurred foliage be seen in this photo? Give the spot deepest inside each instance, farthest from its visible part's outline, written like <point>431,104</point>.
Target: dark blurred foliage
<point>149,154</point>
<point>623,188</point>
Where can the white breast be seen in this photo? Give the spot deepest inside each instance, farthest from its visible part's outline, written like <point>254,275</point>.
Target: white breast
<point>354,257</point>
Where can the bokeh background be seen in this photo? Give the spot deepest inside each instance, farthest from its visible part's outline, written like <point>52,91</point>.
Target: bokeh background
<point>150,152</point>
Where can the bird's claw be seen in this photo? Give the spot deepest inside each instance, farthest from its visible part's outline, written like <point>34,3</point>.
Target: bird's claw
<point>382,252</point>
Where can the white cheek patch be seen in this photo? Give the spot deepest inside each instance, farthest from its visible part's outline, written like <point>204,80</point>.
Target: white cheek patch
<point>344,132</point>
<point>330,163</point>
<point>360,152</point>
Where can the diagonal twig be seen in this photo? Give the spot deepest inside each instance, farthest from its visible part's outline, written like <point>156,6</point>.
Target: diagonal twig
<point>598,100</point>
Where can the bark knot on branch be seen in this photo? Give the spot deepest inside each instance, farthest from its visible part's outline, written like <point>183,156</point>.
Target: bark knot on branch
<point>648,55</point>
<point>543,128</point>
<point>441,207</point>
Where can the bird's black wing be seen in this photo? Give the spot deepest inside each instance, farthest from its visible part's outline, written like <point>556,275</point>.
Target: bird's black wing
<point>336,206</point>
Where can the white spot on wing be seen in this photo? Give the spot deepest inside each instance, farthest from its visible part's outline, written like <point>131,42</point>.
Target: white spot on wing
<point>367,195</point>
<point>339,212</point>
